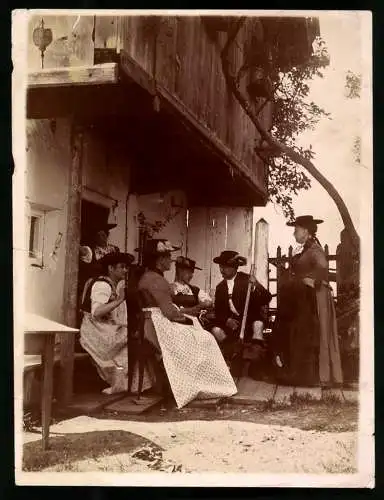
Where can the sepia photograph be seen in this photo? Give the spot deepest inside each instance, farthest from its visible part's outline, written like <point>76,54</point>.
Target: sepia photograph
<point>193,248</point>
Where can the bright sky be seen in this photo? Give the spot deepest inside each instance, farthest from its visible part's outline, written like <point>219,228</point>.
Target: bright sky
<point>332,140</point>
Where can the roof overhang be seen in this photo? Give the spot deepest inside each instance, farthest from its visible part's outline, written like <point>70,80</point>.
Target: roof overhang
<point>100,74</point>
<point>173,148</point>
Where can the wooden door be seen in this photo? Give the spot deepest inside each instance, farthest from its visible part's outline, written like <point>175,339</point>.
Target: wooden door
<point>212,230</point>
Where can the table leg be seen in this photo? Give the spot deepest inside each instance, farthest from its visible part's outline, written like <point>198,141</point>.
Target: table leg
<point>46,407</point>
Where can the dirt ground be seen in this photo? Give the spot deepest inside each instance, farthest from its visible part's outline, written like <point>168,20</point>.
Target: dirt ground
<point>314,437</point>
<point>315,415</point>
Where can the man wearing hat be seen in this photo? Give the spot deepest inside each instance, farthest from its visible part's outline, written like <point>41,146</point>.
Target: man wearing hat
<point>103,332</point>
<point>190,298</point>
<point>230,297</point>
<point>191,357</point>
<point>91,255</point>
<point>102,246</point>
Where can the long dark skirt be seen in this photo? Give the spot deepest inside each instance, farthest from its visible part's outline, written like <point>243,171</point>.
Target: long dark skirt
<point>305,337</point>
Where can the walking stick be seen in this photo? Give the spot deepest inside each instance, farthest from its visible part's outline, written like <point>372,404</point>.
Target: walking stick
<point>245,314</point>
<point>244,320</point>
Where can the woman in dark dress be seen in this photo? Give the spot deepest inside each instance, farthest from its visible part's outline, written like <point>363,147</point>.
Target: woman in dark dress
<point>305,339</point>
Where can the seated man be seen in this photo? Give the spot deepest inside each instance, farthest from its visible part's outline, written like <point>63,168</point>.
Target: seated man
<point>189,298</point>
<point>103,331</point>
<point>230,297</point>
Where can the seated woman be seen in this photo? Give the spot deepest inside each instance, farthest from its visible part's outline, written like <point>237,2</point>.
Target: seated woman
<point>192,359</point>
<point>103,331</point>
<point>189,298</point>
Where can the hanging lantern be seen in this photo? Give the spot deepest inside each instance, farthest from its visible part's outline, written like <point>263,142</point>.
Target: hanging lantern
<point>42,37</point>
<point>259,85</point>
<point>112,217</point>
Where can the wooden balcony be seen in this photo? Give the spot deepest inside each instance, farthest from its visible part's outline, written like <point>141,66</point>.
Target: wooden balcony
<point>162,73</point>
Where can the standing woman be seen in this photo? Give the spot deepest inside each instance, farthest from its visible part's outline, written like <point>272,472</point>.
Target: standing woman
<point>305,336</point>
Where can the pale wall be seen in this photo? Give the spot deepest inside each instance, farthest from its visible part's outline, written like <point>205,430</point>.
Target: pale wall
<point>105,179</point>
<point>48,160</point>
<point>106,171</point>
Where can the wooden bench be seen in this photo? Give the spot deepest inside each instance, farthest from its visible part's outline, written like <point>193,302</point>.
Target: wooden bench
<point>32,366</point>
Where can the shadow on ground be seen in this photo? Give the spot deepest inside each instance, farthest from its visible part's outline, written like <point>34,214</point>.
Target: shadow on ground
<point>305,415</point>
<point>68,448</point>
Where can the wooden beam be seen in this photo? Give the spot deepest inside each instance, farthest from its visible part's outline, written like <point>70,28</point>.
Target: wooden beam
<point>100,74</point>
<point>174,105</point>
<point>67,345</point>
<point>136,73</point>
<point>211,140</point>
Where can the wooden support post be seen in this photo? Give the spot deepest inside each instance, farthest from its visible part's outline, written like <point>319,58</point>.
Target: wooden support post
<point>278,275</point>
<point>67,343</point>
<point>261,252</point>
<point>338,273</point>
<point>261,266</point>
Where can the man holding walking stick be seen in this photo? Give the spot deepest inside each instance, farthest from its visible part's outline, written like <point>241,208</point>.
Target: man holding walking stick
<point>239,306</point>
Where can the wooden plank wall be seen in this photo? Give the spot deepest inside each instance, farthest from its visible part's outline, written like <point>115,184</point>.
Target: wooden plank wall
<point>106,32</point>
<point>157,206</point>
<point>138,41</point>
<point>212,230</point>
<point>182,58</point>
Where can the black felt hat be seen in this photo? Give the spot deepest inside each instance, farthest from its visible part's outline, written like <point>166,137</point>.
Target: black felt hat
<point>113,258</point>
<point>230,258</point>
<point>186,263</point>
<point>305,221</point>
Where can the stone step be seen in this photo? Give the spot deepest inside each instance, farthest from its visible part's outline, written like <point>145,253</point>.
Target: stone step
<point>132,406</point>
<point>204,403</point>
<point>92,402</point>
<point>251,392</point>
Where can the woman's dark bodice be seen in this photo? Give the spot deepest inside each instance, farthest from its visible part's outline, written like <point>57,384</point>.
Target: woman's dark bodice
<point>311,263</point>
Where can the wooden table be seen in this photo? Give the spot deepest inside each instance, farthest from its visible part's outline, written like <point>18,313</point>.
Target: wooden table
<point>39,338</point>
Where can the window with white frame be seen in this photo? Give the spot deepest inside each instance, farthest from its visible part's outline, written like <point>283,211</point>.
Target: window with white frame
<point>36,237</point>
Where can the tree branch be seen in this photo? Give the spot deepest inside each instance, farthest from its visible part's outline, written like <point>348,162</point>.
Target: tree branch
<point>282,148</point>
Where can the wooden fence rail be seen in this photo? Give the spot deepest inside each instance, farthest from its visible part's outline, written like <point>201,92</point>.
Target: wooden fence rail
<point>283,263</point>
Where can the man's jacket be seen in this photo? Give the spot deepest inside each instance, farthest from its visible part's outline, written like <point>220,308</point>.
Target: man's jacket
<point>259,297</point>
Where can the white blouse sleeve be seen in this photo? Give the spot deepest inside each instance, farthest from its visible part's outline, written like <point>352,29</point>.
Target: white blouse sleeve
<point>204,297</point>
<point>100,294</point>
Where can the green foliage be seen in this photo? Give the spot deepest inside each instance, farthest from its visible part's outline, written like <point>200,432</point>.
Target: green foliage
<point>353,85</point>
<point>293,114</point>
<point>152,228</point>
<point>356,150</point>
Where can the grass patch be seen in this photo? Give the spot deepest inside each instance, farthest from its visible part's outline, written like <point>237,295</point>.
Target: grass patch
<point>66,450</point>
